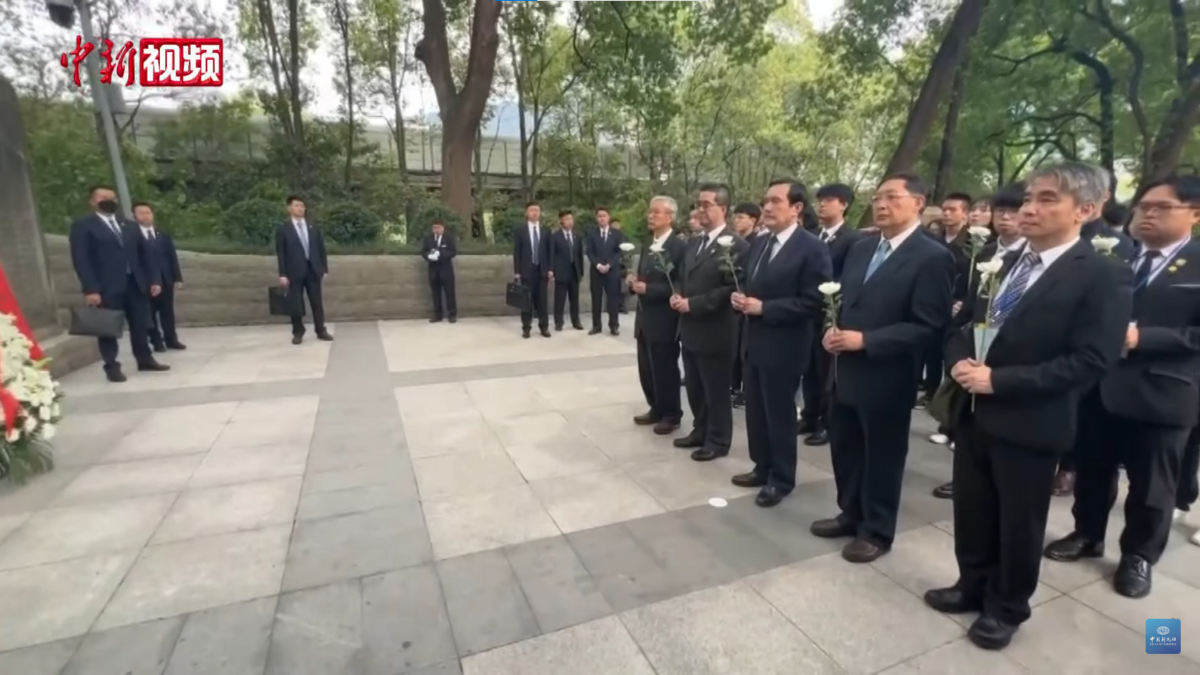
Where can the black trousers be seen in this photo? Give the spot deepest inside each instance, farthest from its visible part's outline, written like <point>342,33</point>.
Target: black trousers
<point>1001,499</point>
<point>606,287</point>
<point>771,421</point>
<point>311,286</point>
<point>932,378</point>
<point>441,282</point>
<point>162,317</point>
<point>868,448</point>
<point>136,306</point>
<point>1090,433</point>
<point>1189,485</point>
<point>815,386</point>
<point>707,388</point>
<point>537,299</point>
<point>736,380</point>
<point>658,370</point>
<point>1151,455</point>
<point>566,290</point>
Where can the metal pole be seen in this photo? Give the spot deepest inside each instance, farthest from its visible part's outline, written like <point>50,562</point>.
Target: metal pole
<point>100,101</point>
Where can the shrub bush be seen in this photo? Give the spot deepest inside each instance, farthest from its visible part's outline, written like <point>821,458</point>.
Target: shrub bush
<point>347,222</point>
<point>418,227</point>
<point>251,221</point>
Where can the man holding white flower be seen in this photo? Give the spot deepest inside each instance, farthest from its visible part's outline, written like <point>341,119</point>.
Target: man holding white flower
<point>656,325</point>
<point>1051,327</point>
<point>708,324</point>
<point>1150,400</point>
<point>438,249</point>
<point>781,303</point>
<point>895,300</point>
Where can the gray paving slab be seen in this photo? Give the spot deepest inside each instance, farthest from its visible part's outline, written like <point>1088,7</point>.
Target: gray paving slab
<point>558,588</point>
<point>141,649</point>
<point>227,640</point>
<point>487,606</point>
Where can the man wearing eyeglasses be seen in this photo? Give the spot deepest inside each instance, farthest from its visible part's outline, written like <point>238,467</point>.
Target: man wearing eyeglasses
<point>1150,400</point>
<point>896,300</point>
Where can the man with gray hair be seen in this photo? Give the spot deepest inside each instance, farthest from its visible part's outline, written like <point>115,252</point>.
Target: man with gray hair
<point>656,326</point>
<point>1057,318</point>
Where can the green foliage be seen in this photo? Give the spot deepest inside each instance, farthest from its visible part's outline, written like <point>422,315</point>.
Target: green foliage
<point>349,222</point>
<point>251,221</point>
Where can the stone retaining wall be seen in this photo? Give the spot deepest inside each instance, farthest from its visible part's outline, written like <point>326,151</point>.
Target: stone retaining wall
<point>223,290</point>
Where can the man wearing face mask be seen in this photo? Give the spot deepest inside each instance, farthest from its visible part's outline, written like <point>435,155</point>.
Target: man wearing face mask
<point>115,271</point>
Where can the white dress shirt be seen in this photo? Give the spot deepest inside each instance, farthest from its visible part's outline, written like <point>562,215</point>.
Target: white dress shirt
<point>1168,254</point>
<point>830,232</point>
<point>659,241</point>
<point>147,231</point>
<point>900,238</point>
<point>1002,248</point>
<point>714,235</point>
<point>1048,258</point>
<point>780,240</point>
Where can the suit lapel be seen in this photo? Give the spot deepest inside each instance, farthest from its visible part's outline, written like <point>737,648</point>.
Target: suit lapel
<point>854,271</point>
<point>1051,277</point>
<point>1187,253</point>
<point>896,260</point>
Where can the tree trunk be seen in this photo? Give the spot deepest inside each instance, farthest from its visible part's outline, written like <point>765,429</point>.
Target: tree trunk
<point>525,140</point>
<point>938,82</point>
<point>1172,136</point>
<point>1104,85</point>
<point>294,68</point>
<point>946,157</point>
<point>460,110</point>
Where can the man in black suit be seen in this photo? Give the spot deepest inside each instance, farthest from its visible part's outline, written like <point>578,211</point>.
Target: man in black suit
<point>531,267</point>
<point>832,202</point>
<point>566,269</point>
<point>603,249</point>
<point>782,306</point>
<point>439,249</point>
<point>303,265</point>
<point>745,220</point>
<point>161,248</point>
<point>1150,399</point>
<point>895,299</point>
<point>116,271</point>
<point>1060,312</point>
<point>656,325</point>
<point>955,235</point>
<point>708,325</point>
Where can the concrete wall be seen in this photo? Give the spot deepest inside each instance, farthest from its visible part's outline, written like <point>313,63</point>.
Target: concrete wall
<point>221,290</point>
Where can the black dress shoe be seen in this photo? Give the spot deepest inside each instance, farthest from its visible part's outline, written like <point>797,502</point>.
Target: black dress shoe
<point>1132,579</point>
<point>115,375</point>
<point>177,346</point>
<point>614,330</point>
<point>738,399</point>
<point>152,367</point>
<point>594,331</point>
<point>689,441</point>
<point>832,528</point>
<point>545,332</point>
<point>325,337</point>
<point>435,319</point>
<point>1073,547</point>
<point>805,427</point>
<point>667,426</point>
<point>817,438</point>
<point>769,496</point>
<point>748,480</point>
<point>297,339</point>
<point>160,348</point>
<point>558,328</point>
<point>525,333</point>
<point>944,491</point>
<point>454,319</point>
<point>988,632</point>
<point>577,326</point>
<point>952,601</point>
<point>646,419</point>
<point>863,551</point>
<point>708,454</point>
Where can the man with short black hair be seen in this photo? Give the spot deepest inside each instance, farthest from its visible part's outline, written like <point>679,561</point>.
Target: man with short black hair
<point>116,271</point>
<point>1150,400</point>
<point>303,265</point>
<point>161,248</point>
<point>603,249</point>
<point>566,269</point>
<point>439,250</point>
<point>896,298</point>
<point>531,267</point>
<point>833,201</point>
<point>955,234</point>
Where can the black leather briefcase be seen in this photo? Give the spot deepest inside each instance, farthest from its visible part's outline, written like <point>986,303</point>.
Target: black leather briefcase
<point>285,301</point>
<point>517,297</point>
<point>97,322</point>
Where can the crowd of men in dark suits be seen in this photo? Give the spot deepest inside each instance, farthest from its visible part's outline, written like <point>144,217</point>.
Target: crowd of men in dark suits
<point>1049,335</point>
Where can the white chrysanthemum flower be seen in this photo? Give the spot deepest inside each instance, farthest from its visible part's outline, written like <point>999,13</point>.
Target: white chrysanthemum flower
<point>13,436</point>
<point>830,288</point>
<point>979,232</point>
<point>725,241</point>
<point>627,247</point>
<point>656,248</point>
<point>31,424</point>
<point>1105,245</point>
<point>48,431</point>
<point>990,267</point>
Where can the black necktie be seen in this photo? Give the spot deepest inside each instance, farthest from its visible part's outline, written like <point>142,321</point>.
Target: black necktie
<point>1141,276</point>
<point>703,243</point>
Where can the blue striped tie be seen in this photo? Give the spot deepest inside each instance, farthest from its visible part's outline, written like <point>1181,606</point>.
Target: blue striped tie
<point>881,254</point>
<point>1007,301</point>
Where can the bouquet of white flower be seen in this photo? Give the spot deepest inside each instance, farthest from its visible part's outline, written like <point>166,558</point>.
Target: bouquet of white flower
<point>1106,246</point>
<point>662,263</point>
<point>985,330</point>
<point>29,407</point>
<point>728,262</point>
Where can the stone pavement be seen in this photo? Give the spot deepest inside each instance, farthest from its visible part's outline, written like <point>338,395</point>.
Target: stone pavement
<point>418,498</point>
